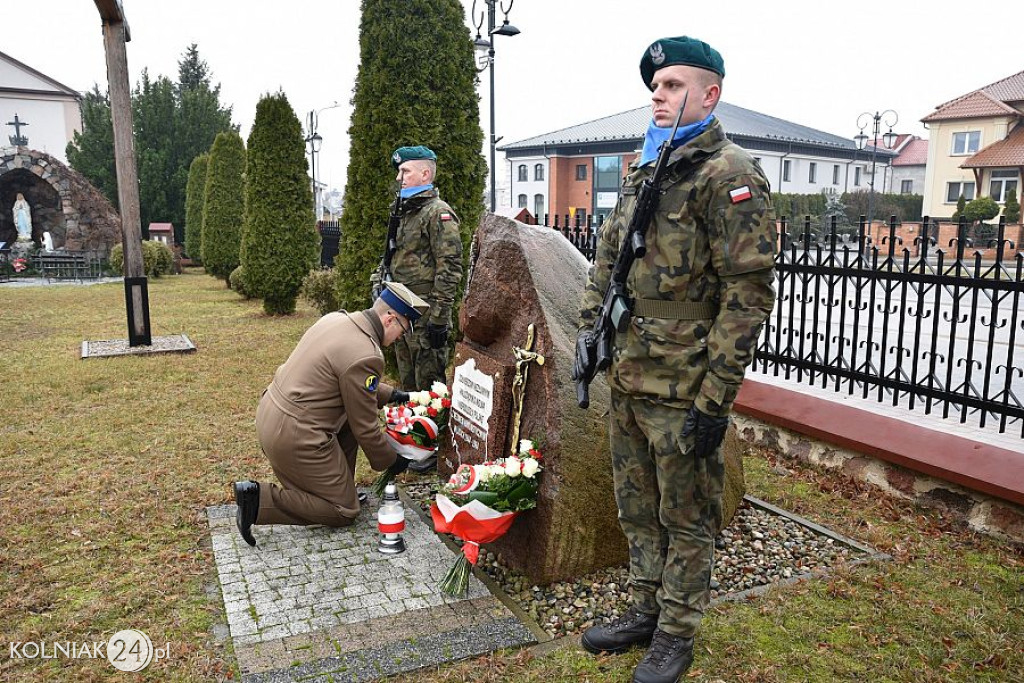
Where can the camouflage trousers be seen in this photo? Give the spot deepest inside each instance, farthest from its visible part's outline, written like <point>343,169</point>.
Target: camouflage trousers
<point>670,508</point>
<point>419,366</point>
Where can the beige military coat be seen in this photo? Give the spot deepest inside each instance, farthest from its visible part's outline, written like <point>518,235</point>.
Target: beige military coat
<point>329,382</point>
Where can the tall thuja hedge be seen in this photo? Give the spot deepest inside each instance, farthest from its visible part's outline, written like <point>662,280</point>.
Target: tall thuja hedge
<point>280,244</point>
<point>194,189</point>
<point>419,91</point>
<point>223,205</point>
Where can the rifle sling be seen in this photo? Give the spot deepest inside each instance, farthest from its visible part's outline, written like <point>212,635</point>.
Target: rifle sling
<point>674,310</point>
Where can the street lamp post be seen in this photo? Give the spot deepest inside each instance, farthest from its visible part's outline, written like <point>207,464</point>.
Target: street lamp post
<point>485,59</point>
<point>315,141</point>
<point>889,139</point>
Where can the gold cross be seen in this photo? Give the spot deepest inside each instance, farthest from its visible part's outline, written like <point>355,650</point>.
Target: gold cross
<point>524,356</point>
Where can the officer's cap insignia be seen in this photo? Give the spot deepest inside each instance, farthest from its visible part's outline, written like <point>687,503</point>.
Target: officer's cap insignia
<point>657,54</point>
<point>396,159</point>
<point>371,383</point>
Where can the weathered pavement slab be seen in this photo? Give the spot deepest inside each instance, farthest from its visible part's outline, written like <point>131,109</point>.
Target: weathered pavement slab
<point>319,604</point>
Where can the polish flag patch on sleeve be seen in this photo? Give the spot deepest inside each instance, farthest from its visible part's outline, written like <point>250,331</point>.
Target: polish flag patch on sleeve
<point>739,194</point>
<point>447,216</point>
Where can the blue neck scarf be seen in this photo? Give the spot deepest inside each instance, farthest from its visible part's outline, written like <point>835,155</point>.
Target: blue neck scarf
<point>407,192</point>
<point>656,135</point>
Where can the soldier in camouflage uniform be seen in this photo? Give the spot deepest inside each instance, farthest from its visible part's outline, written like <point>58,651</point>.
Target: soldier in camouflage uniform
<point>700,295</point>
<point>428,260</point>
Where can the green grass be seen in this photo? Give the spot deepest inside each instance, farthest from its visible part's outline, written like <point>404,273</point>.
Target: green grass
<point>108,464</point>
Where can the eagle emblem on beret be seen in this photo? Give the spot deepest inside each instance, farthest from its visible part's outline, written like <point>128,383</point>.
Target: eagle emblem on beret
<point>657,53</point>
<point>396,158</point>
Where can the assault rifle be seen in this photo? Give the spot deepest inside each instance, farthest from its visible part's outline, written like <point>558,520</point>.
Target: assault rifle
<point>383,273</point>
<point>594,350</point>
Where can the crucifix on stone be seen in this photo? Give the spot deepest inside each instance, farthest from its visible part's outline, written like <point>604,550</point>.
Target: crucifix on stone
<point>17,139</point>
<point>524,356</point>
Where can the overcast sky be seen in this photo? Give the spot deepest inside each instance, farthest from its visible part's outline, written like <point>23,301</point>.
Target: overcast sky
<point>818,64</point>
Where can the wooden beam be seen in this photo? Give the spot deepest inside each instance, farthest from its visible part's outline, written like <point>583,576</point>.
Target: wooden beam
<point>111,12</point>
<point>136,299</point>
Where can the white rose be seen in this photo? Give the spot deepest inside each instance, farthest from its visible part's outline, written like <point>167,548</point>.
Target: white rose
<point>419,410</point>
<point>525,446</point>
<point>439,388</point>
<point>497,470</point>
<point>420,397</point>
<point>530,467</point>
<point>513,466</point>
<point>483,472</point>
<point>436,404</point>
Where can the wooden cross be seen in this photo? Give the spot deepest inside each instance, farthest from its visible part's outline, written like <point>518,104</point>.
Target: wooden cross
<point>524,356</point>
<point>17,139</point>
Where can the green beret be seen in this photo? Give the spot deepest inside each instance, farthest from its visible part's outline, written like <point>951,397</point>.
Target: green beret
<point>680,50</point>
<point>404,154</point>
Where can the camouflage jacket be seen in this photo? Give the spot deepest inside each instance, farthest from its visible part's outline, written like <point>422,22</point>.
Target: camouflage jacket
<point>712,239</point>
<point>428,254</point>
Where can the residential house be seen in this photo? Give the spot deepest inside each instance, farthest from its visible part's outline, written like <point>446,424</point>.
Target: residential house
<point>578,170</point>
<point>35,110</point>
<point>162,232</point>
<point>908,168</point>
<point>977,146</point>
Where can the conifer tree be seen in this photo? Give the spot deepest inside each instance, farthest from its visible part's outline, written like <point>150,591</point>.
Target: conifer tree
<point>1011,209</point>
<point>194,189</point>
<point>280,244</point>
<point>416,86</point>
<point>223,204</point>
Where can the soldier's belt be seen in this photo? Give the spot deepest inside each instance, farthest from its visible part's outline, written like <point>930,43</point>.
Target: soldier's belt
<point>674,310</point>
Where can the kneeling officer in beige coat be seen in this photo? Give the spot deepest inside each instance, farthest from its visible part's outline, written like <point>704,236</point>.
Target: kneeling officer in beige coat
<point>321,407</point>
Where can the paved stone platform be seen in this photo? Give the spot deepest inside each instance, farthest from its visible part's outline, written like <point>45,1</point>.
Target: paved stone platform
<point>319,604</point>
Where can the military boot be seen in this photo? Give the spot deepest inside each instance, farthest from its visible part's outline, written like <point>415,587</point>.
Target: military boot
<point>247,500</point>
<point>668,658</point>
<point>632,628</point>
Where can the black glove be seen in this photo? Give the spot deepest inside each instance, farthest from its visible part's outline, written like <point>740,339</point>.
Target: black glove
<point>708,431</point>
<point>399,396</point>
<point>578,371</point>
<point>400,465</point>
<point>437,334</point>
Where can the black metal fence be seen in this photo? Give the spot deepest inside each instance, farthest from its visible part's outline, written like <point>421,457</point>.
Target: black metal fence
<point>330,236</point>
<point>924,325</point>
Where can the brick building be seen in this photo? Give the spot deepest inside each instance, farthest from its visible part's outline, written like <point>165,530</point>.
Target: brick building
<point>579,169</point>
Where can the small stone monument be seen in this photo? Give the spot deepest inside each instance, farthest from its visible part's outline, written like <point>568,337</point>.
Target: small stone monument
<point>511,381</point>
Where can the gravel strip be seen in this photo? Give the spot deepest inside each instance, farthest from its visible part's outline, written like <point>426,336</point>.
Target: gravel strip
<point>758,548</point>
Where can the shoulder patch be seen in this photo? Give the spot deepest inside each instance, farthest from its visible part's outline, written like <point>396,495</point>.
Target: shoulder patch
<point>371,382</point>
<point>445,216</point>
<point>739,194</point>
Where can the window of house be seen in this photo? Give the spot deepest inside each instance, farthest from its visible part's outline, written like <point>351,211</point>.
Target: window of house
<point>1004,183</point>
<point>522,201</point>
<point>787,168</point>
<point>523,173</point>
<point>581,171</point>
<point>538,172</point>
<point>607,179</point>
<point>538,206</point>
<point>966,143</point>
<point>906,187</point>
<point>856,175</point>
<point>812,172</point>
<point>835,174</point>
<point>954,190</point>
<point>608,173</point>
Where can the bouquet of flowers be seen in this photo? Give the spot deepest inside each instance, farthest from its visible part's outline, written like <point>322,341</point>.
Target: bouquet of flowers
<point>19,264</point>
<point>479,504</point>
<point>414,428</point>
